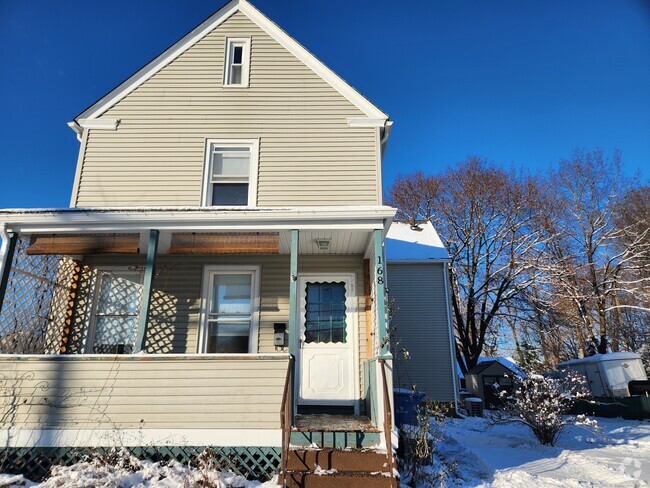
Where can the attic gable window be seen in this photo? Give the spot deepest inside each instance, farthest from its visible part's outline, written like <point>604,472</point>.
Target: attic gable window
<point>230,176</point>
<point>238,53</point>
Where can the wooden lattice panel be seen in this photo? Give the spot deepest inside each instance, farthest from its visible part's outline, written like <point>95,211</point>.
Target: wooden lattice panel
<point>258,463</point>
<point>38,302</point>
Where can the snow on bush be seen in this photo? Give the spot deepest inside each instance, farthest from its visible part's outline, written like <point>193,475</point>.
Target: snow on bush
<point>122,470</point>
<point>542,404</point>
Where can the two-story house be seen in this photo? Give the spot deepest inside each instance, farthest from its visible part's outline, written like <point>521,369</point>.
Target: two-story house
<point>218,279</point>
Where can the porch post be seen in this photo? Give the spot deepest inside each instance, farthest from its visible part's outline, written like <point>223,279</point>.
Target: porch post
<point>293,296</point>
<point>6,258</point>
<point>380,279</point>
<point>145,299</point>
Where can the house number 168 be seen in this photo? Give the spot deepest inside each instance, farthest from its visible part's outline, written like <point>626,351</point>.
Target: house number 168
<point>380,271</point>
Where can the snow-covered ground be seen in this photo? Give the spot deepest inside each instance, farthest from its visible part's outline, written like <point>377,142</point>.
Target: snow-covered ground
<point>616,455</point>
<point>131,472</point>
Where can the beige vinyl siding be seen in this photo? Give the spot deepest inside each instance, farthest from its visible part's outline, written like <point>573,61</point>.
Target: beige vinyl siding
<point>422,328</point>
<point>153,392</point>
<point>308,154</point>
<point>176,301</point>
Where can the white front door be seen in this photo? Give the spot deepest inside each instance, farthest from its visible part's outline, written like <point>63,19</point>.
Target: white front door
<point>328,338</point>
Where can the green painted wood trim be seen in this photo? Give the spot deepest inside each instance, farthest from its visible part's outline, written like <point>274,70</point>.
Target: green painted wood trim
<point>145,300</point>
<point>9,259</point>
<point>380,282</point>
<point>293,296</point>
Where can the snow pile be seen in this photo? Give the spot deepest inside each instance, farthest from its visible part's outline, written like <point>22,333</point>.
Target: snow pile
<point>476,454</point>
<point>129,471</point>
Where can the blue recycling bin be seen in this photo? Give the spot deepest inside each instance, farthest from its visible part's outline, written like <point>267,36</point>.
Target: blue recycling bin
<point>406,405</point>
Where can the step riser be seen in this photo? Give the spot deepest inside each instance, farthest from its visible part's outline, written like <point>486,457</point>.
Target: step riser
<point>341,461</point>
<point>336,440</point>
<point>328,481</point>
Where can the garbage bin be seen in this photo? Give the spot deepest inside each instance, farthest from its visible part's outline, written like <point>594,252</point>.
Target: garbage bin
<point>474,406</point>
<point>406,404</point>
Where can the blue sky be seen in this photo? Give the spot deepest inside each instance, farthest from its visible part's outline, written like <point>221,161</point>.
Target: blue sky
<point>519,82</point>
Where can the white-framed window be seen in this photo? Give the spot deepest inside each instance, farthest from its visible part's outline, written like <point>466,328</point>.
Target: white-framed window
<point>237,62</point>
<point>230,173</point>
<point>230,306</point>
<point>115,311</point>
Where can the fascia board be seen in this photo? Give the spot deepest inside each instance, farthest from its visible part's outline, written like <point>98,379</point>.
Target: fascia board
<point>106,221</point>
<point>159,62</point>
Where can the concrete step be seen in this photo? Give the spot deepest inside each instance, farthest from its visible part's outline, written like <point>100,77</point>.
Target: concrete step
<point>340,480</point>
<point>352,461</point>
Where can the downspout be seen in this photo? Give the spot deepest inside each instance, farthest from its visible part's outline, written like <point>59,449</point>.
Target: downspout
<point>388,127</point>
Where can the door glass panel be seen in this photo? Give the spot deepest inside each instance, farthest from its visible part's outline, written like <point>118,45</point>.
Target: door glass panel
<point>325,313</point>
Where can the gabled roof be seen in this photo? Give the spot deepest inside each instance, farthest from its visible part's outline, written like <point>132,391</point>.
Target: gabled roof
<point>268,26</point>
<point>485,363</point>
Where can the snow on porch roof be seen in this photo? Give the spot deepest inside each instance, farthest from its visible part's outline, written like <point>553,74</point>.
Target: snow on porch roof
<point>405,244</point>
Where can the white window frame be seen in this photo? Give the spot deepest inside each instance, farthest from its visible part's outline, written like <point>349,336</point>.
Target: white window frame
<point>245,43</point>
<point>208,272</point>
<point>210,145</point>
<point>92,320</point>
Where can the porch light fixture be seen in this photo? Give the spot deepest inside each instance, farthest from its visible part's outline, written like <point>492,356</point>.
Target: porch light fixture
<point>323,244</point>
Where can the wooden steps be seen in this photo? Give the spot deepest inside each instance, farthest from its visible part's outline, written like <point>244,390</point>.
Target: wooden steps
<point>337,451</point>
<point>325,468</point>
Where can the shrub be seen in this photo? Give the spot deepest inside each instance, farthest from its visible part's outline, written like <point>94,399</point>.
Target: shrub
<point>542,403</point>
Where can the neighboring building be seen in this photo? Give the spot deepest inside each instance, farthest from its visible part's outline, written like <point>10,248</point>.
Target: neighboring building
<point>419,297</point>
<point>489,377</point>
<point>226,217</point>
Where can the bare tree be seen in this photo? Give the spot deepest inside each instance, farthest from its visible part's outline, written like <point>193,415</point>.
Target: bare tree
<point>483,214</point>
<point>588,256</point>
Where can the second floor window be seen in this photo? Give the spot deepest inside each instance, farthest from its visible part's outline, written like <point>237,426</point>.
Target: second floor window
<point>231,170</point>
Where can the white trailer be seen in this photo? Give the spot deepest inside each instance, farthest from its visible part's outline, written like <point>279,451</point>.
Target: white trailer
<point>609,374</point>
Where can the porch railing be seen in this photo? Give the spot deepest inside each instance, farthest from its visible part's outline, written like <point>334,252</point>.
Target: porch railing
<point>286,417</point>
<point>388,423</point>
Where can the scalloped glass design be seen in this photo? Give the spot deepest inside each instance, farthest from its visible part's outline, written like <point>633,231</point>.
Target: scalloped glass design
<point>325,313</point>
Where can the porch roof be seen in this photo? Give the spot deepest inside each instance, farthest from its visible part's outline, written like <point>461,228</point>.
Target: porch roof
<point>71,220</point>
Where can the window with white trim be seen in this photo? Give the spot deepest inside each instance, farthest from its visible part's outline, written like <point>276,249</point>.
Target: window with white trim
<point>230,174</point>
<point>232,305</point>
<point>115,312</point>
<point>238,52</point>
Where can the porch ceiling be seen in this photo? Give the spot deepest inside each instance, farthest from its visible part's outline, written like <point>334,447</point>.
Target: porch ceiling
<point>340,241</point>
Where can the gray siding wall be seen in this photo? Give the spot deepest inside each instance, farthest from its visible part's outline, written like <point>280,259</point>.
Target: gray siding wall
<point>308,154</point>
<point>421,327</point>
<point>175,314</point>
<point>152,392</point>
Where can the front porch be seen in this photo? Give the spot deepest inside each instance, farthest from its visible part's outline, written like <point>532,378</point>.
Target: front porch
<point>128,333</point>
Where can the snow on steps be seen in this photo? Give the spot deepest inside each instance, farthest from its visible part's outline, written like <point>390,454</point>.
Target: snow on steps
<point>323,468</point>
